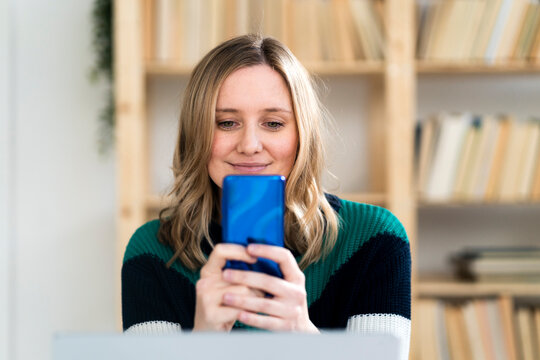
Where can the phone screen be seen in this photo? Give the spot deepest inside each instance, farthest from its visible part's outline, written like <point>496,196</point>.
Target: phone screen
<point>253,207</point>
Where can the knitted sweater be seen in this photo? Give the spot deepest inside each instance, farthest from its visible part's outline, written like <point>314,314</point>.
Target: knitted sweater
<point>363,285</point>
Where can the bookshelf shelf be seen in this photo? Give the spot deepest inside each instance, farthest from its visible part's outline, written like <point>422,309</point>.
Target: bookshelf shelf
<point>348,68</point>
<point>167,69</point>
<point>450,68</point>
<point>359,68</point>
<point>444,287</point>
<point>472,203</point>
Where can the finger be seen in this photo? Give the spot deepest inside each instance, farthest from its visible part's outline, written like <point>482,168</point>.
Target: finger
<point>259,305</point>
<point>284,258</point>
<point>222,314</point>
<point>263,321</point>
<point>241,290</point>
<point>264,282</point>
<point>219,256</point>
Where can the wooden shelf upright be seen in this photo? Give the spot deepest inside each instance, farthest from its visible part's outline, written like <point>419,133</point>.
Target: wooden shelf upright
<point>131,127</point>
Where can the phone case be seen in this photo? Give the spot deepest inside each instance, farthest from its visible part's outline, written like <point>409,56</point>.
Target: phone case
<point>253,207</point>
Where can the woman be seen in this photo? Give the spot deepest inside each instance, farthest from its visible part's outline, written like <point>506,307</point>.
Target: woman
<point>250,107</point>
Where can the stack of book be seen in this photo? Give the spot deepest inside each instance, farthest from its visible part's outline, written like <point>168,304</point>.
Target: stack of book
<point>470,158</point>
<point>509,264</point>
<point>477,329</point>
<point>528,332</point>
<point>344,31</point>
<point>490,31</point>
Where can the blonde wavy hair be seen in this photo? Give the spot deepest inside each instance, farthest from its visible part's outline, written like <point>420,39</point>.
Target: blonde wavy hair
<point>311,225</point>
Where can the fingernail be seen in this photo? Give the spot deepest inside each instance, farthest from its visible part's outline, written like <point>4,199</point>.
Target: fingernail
<point>253,247</point>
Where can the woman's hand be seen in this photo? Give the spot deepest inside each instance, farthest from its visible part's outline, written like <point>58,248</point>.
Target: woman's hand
<point>210,312</point>
<point>287,310</point>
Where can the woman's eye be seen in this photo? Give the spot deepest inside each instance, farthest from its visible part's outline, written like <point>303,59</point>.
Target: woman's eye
<point>226,124</point>
<point>274,125</point>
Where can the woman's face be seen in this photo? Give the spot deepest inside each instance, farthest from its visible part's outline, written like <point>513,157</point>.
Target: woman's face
<point>255,130</point>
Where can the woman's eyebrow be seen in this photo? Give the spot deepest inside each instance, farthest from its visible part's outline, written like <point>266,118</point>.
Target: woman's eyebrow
<point>270,110</point>
<point>276,109</point>
<point>227,110</point>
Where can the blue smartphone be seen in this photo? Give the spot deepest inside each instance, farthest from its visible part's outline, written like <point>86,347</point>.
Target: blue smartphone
<point>252,208</point>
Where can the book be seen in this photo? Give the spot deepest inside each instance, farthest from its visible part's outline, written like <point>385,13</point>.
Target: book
<point>485,158</point>
<point>329,50</point>
<point>192,39</point>
<point>421,13</point>
<point>368,29</point>
<point>486,336</point>
<point>474,335</point>
<point>527,31</point>
<point>447,45</point>
<point>511,31</point>
<point>534,55</point>
<point>455,345</point>
<point>343,26</point>
<point>427,310</point>
<point>311,32</point>
<point>167,41</point>
<point>503,308</point>
<point>509,173</point>
<point>498,31</point>
<point>274,19</point>
<point>487,23</point>
<point>297,37</point>
<point>533,34</point>
<point>496,327</point>
<point>376,29</point>
<point>533,30</point>
<point>428,139</point>
<point>495,172</point>
<point>446,155</point>
<point>524,323</point>
<point>537,329</point>
<point>468,153</point>
<point>506,266</point>
<point>535,192</point>
<point>440,329</point>
<point>509,264</point>
<point>474,16</point>
<point>437,33</point>
<point>531,149</point>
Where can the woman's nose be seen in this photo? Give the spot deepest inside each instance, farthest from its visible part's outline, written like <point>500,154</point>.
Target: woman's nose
<point>249,142</point>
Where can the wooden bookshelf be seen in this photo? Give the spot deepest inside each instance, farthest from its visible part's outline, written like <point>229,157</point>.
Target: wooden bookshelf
<point>354,68</point>
<point>479,203</point>
<point>445,287</point>
<point>424,67</point>
<point>393,102</point>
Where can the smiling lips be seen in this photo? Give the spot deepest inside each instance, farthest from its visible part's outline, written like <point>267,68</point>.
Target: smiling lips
<point>249,167</point>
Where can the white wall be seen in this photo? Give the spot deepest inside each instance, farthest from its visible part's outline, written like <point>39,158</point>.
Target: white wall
<point>62,192</point>
<point>5,152</point>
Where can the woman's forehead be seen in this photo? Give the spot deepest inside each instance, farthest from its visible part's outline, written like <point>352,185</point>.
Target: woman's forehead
<point>255,85</point>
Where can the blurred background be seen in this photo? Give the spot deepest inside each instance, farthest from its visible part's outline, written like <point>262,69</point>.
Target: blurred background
<point>58,214</point>
<point>436,106</point>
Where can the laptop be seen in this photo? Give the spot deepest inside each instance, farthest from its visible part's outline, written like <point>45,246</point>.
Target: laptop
<point>237,346</point>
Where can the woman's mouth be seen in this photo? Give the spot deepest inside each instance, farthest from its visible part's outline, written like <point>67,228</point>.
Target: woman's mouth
<point>249,167</point>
